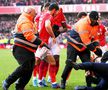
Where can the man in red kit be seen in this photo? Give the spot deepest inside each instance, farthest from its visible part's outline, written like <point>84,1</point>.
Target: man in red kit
<point>58,27</point>
<point>55,48</point>
<point>45,33</point>
<point>36,73</point>
<point>101,33</point>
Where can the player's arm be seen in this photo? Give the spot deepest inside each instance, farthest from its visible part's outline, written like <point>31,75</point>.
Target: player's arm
<point>28,32</point>
<point>92,46</point>
<point>106,32</point>
<point>64,25</point>
<point>85,38</point>
<point>49,28</point>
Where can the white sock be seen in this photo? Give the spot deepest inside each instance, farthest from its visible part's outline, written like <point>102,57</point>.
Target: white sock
<point>43,78</point>
<point>54,82</point>
<point>48,77</point>
<point>39,81</point>
<point>34,78</point>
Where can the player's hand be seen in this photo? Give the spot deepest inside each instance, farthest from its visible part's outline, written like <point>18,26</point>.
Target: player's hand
<point>54,40</point>
<point>98,52</point>
<point>44,45</point>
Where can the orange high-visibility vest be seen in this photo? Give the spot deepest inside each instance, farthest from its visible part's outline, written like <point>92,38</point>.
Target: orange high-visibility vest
<point>25,32</point>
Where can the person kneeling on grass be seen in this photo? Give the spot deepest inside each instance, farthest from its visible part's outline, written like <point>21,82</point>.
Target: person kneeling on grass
<point>100,69</point>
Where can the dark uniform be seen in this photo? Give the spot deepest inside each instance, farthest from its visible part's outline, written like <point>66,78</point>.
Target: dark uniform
<point>101,69</point>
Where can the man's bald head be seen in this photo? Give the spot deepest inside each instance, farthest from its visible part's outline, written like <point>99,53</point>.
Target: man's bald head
<point>30,10</point>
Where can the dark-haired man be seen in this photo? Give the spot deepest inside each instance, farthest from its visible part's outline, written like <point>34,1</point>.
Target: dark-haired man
<point>45,27</point>
<point>40,65</point>
<point>81,40</point>
<point>81,15</point>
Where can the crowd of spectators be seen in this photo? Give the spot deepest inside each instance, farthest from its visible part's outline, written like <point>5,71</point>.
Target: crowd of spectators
<point>7,23</point>
<point>39,2</point>
<point>72,18</point>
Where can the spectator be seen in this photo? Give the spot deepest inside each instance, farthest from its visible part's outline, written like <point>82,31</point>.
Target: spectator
<point>20,3</point>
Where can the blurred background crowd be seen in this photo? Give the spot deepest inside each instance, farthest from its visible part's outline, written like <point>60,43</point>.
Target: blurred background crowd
<point>8,21</point>
<point>39,2</point>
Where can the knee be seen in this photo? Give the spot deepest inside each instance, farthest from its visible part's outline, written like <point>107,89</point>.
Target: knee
<point>69,62</point>
<point>53,63</point>
<point>28,67</point>
<point>51,60</point>
<point>56,57</point>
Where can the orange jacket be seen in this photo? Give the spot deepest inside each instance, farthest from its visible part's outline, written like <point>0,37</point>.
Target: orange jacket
<point>86,32</point>
<point>25,32</point>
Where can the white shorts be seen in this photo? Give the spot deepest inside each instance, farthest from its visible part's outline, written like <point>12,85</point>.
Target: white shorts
<point>55,47</point>
<point>103,48</point>
<point>42,52</point>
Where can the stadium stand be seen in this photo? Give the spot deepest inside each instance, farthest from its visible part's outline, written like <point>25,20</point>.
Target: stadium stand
<point>39,2</point>
<point>10,11</point>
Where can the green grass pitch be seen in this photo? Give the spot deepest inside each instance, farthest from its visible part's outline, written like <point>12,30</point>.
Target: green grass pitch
<point>8,64</point>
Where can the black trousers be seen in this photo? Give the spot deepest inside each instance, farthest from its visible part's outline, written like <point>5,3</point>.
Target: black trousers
<point>95,80</point>
<point>72,54</point>
<point>23,72</point>
<point>101,69</point>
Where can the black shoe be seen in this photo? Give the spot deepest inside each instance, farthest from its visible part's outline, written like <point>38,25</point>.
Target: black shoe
<point>19,89</point>
<point>80,88</point>
<point>5,85</point>
<point>63,84</point>
<point>75,65</point>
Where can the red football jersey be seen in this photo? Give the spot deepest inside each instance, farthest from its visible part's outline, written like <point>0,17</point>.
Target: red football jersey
<point>59,18</point>
<point>43,34</point>
<point>101,32</point>
<point>37,19</point>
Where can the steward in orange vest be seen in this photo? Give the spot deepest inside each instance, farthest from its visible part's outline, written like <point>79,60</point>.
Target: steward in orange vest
<point>82,39</point>
<point>25,45</point>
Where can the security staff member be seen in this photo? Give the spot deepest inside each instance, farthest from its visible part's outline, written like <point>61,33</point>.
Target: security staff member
<point>81,40</point>
<point>25,45</point>
<point>101,69</point>
<point>81,15</point>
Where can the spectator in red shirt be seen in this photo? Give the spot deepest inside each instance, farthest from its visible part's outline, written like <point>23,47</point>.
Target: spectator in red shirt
<point>101,33</point>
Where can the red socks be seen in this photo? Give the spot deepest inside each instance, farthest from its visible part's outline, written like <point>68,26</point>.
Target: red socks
<point>52,73</point>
